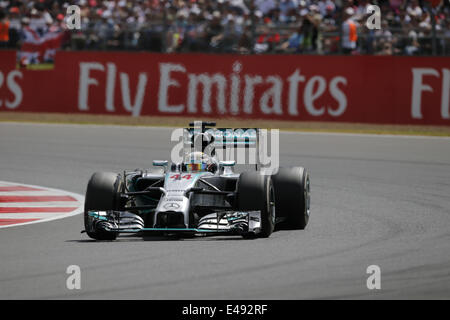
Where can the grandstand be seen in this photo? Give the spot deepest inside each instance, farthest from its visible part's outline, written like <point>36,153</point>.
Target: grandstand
<point>408,27</point>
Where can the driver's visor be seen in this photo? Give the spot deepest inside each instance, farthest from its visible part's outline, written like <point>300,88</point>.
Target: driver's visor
<point>192,167</point>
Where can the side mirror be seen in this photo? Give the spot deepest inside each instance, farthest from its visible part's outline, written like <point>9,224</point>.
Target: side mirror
<point>160,163</point>
<point>230,163</point>
<point>226,167</point>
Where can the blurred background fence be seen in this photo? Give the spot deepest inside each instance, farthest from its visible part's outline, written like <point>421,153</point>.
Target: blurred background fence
<point>284,39</point>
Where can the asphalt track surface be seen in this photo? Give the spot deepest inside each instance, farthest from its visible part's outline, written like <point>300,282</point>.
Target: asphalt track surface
<point>376,200</point>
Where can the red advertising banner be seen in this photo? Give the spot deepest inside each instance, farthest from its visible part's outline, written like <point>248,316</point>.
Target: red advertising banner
<point>369,89</point>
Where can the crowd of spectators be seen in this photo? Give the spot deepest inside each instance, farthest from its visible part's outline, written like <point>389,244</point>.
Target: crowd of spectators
<point>237,26</point>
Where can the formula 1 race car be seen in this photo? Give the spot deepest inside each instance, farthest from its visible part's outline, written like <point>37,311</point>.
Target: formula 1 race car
<point>199,195</point>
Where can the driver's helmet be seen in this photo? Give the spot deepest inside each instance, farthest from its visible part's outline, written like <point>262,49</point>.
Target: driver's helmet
<point>199,161</point>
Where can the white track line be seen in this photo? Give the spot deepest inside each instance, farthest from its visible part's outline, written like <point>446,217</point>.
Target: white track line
<point>46,216</point>
<point>34,215</point>
<point>39,204</point>
<point>27,193</point>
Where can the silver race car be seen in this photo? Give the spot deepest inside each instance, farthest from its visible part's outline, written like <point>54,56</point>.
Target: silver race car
<point>199,195</point>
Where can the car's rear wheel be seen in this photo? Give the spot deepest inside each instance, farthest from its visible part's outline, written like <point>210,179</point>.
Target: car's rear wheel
<point>292,196</point>
<point>102,194</point>
<point>256,192</point>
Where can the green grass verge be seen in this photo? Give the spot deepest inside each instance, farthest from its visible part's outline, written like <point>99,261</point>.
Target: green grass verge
<point>40,66</point>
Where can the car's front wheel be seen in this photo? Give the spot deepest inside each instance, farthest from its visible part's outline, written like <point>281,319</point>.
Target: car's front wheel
<point>102,194</point>
<point>255,192</point>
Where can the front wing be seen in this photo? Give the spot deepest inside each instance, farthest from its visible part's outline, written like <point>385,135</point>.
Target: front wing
<point>228,223</point>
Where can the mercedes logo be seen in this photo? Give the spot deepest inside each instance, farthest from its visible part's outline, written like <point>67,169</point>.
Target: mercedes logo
<point>171,205</point>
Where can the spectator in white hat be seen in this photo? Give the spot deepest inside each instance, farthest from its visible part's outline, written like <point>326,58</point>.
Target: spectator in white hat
<point>349,31</point>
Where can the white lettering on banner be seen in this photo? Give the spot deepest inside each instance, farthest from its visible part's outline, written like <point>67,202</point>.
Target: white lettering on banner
<point>110,86</point>
<point>207,82</point>
<point>13,86</point>
<point>164,83</point>
<point>274,94</point>
<point>216,92</point>
<point>135,109</point>
<point>111,72</point>
<point>15,89</point>
<point>294,79</point>
<point>418,86</point>
<point>270,101</point>
<point>338,95</point>
<point>235,88</point>
<point>309,95</point>
<point>86,81</point>
<point>249,94</point>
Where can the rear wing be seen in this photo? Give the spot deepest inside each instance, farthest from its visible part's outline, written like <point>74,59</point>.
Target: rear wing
<point>239,144</point>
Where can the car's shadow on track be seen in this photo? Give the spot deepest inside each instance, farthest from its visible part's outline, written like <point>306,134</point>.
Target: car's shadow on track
<point>160,239</point>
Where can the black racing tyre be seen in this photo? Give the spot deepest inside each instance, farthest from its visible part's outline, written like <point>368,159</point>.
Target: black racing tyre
<point>102,194</point>
<point>255,192</point>
<point>292,196</point>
